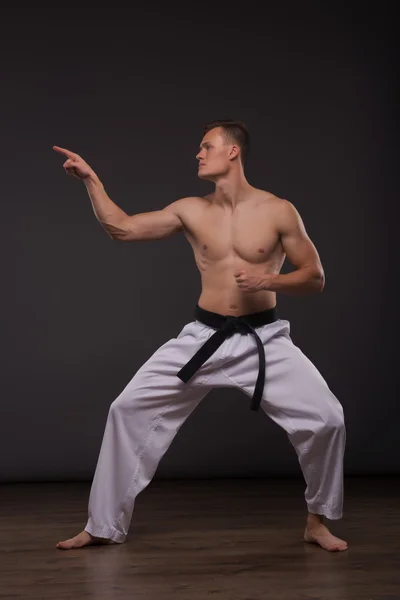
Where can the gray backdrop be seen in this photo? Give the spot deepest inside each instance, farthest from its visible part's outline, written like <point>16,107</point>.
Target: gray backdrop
<point>131,95</point>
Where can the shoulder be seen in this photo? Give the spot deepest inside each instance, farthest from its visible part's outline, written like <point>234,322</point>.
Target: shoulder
<point>283,212</point>
<point>187,202</point>
<point>274,204</point>
<point>269,200</point>
<point>187,205</point>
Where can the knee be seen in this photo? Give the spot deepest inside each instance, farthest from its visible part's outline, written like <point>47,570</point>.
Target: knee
<point>115,407</point>
<point>129,402</point>
<point>118,407</point>
<point>333,424</point>
<point>114,412</point>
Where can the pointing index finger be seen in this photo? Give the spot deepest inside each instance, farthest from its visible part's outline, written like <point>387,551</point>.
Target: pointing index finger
<point>64,151</point>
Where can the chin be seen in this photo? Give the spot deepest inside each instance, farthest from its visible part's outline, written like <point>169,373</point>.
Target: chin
<point>206,175</point>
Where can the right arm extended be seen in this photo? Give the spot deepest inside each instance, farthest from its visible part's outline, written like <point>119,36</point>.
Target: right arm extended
<point>153,225</point>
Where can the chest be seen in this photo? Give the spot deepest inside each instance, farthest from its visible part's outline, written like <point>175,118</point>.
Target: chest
<point>249,235</point>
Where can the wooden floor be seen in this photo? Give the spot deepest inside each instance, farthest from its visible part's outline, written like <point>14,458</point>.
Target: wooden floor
<point>194,540</point>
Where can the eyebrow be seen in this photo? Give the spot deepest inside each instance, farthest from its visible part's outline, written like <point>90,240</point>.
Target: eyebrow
<point>204,143</point>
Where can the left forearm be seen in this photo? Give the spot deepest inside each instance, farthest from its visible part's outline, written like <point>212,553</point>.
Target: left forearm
<point>306,280</point>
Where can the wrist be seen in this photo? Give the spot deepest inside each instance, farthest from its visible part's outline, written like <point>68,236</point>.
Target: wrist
<point>92,180</point>
<point>271,282</point>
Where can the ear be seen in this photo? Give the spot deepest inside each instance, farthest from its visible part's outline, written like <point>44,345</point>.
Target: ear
<point>234,152</point>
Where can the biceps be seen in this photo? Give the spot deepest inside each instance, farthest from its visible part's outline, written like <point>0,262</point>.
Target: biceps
<point>153,225</point>
<point>300,250</point>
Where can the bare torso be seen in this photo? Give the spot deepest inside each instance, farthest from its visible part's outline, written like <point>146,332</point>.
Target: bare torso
<point>224,241</point>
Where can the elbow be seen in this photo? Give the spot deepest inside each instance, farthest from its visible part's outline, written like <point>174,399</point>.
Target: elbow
<point>315,279</point>
<point>118,231</point>
<point>319,280</point>
<point>116,237</point>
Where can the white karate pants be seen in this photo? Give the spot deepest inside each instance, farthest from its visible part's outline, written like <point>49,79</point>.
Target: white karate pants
<point>145,417</point>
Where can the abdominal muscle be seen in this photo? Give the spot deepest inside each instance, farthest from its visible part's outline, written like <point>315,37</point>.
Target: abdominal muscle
<point>221,294</point>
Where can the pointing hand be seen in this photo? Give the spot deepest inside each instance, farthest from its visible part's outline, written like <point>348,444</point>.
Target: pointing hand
<point>74,165</point>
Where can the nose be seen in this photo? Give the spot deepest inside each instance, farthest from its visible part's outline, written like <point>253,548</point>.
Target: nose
<point>199,155</point>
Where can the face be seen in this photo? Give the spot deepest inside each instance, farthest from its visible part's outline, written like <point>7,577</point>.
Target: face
<point>215,155</point>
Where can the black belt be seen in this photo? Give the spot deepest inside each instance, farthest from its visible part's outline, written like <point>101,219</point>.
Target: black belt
<point>226,326</point>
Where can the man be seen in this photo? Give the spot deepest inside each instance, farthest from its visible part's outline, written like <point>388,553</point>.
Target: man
<point>240,236</point>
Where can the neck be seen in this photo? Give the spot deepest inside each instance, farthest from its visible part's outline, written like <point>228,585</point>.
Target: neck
<point>231,190</point>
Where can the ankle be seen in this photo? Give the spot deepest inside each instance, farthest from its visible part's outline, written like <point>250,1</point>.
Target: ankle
<point>314,520</point>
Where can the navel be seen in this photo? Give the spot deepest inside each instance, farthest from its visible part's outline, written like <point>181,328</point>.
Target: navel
<point>205,247</point>
<point>233,306</point>
<point>261,250</point>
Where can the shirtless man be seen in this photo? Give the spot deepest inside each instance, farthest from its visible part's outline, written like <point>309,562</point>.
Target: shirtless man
<point>240,236</point>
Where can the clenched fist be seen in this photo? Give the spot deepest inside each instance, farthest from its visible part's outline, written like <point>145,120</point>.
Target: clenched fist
<point>75,165</point>
<point>251,283</point>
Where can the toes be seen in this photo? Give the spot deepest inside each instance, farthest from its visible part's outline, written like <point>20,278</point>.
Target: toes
<point>338,547</point>
<point>66,545</point>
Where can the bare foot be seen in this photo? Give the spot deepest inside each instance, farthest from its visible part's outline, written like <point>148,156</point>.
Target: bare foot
<point>320,534</point>
<point>82,539</point>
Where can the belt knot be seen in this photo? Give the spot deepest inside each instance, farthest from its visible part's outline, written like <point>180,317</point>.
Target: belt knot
<point>236,324</point>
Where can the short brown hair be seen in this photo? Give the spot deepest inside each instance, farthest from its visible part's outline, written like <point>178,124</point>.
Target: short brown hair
<point>234,131</point>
